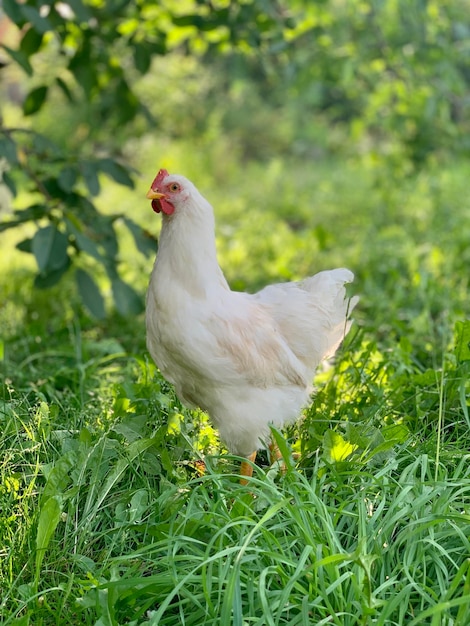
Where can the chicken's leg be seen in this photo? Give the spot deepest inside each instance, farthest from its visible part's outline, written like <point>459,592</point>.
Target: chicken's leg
<point>274,452</point>
<point>246,469</point>
<point>275,456</point>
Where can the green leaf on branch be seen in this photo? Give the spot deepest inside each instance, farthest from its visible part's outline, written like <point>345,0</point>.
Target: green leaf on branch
<point>9,182</point>
<point>142,57</point>
<point>116,171</point>
<point>144,241</point>
<point>83,67</point>
<point>127,301</point>
<point>65,89</point>
<point>128,103</point>
<point>106,236</point>
<point>51,186</point>
<point>34,212</point>
<point>90,294</point>
<point>20,58</point>
<point>82,12</point>
<point>25,245</point>
<point>183,21</point>
<point>91,177</point>
<point>85,244</point>
<point>13,10</point>
<point>45,147</point>
<point>31,42</point>
<point>38,22</point>
<point>67,178</point>
<point>34,100</point>
<point>8,149</point>
<point>49,247</point>
<point>51,277</point>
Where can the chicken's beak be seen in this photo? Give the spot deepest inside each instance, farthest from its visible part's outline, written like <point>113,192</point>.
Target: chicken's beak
<point>154,195</point>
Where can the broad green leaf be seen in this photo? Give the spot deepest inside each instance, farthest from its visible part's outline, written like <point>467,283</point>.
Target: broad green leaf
<point>82,12</point>
<point>142,57</point>
<point>51,277</point>
<point>67,178</point>
<point>25,245</point>
<point>13,10</point>
<point>38,22</point>
<point>87,245</point>
<point>84,69</point>
<point>8,149</point>
<point>127,301</point>
<point>144,241</point>
<point>159,46</point>
<point>51,185</point>
<point>116,171</point>
<point>188,20</point>
<point>20,58</point>
<point>128,102</point>
<point>65,89</point>
<point>58,475</point>
<point>335,447</point>
<point>104,228</point>
<point>34,100</point>
<point>31,42</point>
<point>34,212</point>
<point>462,341</point>
<point>49,247</point>
<point>9,182</point>
<point>90,294</point>
<point>396,432</point>
<point>44,145</point>
<point>49,517</point>
<point>89,172</point>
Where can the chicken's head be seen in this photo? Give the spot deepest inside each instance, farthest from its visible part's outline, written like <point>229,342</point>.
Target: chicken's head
<point>166,192</point>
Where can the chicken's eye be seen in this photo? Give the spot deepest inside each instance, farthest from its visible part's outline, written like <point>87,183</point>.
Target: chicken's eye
<point>174,187</point>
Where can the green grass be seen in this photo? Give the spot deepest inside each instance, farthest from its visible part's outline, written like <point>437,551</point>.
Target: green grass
<point>116,534</point>
<point>104,518</point>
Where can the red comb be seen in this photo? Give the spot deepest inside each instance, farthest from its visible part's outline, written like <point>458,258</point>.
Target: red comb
<point>159,179</point>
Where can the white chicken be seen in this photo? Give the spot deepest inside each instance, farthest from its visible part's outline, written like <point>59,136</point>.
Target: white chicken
<point>248,360</point>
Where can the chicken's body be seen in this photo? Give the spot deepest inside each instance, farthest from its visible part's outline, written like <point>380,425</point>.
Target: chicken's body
<point>246,359</point>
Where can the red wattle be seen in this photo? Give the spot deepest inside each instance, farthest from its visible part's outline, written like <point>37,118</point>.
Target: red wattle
<point>166,206</point>
<point>162,204</point>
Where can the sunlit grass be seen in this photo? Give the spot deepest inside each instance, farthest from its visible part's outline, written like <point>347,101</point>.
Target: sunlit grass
<point>340,543</point>
<point>109,516</point>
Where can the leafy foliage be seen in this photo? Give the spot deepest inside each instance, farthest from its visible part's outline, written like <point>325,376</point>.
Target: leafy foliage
<point>94,51</point>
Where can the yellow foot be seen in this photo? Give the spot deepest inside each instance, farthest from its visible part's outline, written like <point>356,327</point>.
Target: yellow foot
<point>246,468</point>
<point>274,453</point>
